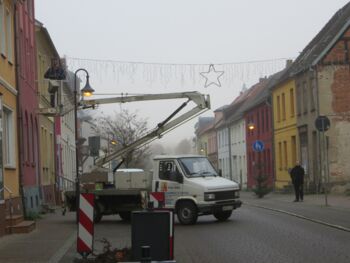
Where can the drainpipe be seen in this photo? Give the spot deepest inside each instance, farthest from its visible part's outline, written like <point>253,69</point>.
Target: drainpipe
<point>318,133</point>
<point>18,109</point>
<point>270,105</point>
<point>229,151</point>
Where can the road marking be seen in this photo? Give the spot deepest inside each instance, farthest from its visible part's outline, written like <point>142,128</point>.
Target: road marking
<point>63,250</point>
<point>302,217</point>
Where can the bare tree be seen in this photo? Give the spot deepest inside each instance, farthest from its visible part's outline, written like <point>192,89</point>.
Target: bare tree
<point>184,147</point>
<point>157,148</point>
<point>125,127</point>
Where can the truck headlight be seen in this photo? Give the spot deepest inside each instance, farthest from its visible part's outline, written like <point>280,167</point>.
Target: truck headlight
<point>209,196</point>
<point>236,194</point>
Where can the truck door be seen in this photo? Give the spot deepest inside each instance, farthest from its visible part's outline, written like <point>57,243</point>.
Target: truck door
<point>169,182</point>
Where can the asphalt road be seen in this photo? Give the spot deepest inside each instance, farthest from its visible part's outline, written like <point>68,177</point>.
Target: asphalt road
<point>251,235</point>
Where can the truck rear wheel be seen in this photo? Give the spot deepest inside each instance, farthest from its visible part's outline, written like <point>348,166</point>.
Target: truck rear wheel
<point>187,213</point>
<point>222,215</point>
<point>125,216</point>
<point>97,215</point>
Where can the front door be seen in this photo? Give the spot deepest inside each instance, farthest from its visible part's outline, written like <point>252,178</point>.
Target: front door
<point>168,174</point>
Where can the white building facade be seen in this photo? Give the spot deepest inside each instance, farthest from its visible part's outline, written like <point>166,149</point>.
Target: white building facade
<point>223,151</point>
<point>68,149</point>
<point>65,136</point>
<point>238,152</point>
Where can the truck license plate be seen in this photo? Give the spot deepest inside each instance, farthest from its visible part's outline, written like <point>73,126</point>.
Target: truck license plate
<point>227,208</point>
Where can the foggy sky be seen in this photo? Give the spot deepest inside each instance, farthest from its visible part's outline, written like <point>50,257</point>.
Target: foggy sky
<point>180,32</point>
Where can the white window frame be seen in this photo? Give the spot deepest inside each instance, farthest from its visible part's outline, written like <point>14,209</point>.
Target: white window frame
<point>9,138</point>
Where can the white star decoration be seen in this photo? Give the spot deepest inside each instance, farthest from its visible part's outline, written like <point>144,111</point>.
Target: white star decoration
<point>212,76</point>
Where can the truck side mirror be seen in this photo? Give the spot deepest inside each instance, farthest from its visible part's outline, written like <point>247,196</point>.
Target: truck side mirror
<point>179,178</point>
<point>220,172</point>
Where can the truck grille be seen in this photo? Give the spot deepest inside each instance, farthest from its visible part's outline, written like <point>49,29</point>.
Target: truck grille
<point>224,195</point>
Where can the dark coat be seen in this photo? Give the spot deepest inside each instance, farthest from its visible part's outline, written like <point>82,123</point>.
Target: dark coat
<point>297,175</point>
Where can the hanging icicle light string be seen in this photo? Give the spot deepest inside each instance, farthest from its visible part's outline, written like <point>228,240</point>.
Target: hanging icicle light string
<point>166,74</point>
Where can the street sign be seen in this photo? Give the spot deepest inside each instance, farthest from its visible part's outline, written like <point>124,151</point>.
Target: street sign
<point>94,145</point>
<point>258,146</point>
<point>322,123</point>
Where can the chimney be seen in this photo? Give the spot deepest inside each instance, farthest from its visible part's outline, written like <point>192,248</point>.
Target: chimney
<point>262,79</point>
<point>289,62</point>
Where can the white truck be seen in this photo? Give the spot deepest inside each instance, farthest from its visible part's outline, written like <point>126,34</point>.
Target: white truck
<point>191,185</point>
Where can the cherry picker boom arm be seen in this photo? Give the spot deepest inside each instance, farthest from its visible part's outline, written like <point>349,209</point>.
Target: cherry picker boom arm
<point>202,104</point>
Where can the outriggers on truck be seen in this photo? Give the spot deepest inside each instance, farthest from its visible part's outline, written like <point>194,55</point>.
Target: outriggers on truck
<point>193,187</point>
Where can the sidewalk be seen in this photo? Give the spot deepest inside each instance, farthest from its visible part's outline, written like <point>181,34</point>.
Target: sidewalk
<point>53,236</point>
<point>337,213</point>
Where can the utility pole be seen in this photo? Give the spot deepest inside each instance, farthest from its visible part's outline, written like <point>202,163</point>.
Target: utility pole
<point>322,124</point>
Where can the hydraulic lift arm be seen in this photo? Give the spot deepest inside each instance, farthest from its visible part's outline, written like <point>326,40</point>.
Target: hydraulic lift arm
<point>202,104</point>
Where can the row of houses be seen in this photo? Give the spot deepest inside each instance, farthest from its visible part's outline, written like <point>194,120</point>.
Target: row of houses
<point>280,111</point>
<point>37,151</point>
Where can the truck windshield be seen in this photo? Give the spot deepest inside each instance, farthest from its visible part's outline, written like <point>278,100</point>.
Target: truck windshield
<point>197,167</point>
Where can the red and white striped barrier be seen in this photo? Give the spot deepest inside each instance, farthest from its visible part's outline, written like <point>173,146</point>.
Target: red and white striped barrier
<point>158,199</point>
<point>86,224</point>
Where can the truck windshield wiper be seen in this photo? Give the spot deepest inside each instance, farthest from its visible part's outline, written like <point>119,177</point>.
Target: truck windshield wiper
<point>202,174</point>
<point>207,173</point>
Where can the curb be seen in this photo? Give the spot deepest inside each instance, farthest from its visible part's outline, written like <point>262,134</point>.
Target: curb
<point>63,250</point>
<point>302,217</point>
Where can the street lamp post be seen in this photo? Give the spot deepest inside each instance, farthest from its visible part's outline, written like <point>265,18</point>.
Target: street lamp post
<point>87,91</point>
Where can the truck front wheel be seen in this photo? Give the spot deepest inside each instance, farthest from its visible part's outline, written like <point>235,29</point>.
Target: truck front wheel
<point>187,213</point>
<point>222,215</point>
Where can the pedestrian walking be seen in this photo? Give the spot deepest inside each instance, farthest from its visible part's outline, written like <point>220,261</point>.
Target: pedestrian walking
<point>297,175</point>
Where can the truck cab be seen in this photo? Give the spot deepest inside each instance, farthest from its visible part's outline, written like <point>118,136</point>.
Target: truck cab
<point>192,187</point>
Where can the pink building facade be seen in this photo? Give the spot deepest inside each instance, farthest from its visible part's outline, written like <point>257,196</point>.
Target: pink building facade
<point>27,104</point>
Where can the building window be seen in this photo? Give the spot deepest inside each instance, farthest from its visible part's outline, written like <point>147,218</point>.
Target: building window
<point>32,138</point>
<point>9,152</point>
<point>283,107</point>
<point>9,36</point>
<point>268,162</point>
<point>30,8</point>
<point>25,136</point>
<point>2,30</point>
<point>262,120</point>
<point>313,96</point>
<point>285,155</point>
<point>294,150</point>
<point>280,156</point>
<point>305,97</point>
<point>291,97</point>
<point>299,98</point>
<point>278,109</point>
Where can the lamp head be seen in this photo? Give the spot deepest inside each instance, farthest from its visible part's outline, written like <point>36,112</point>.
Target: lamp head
<point>251,126</point>
<point>87,90</point>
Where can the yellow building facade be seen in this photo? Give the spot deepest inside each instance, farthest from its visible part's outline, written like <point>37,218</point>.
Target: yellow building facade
<point>8,96</point>
<point>10,198</point>
<point>46,52</point>
<point>286,139</point>
<point>202,144</point>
